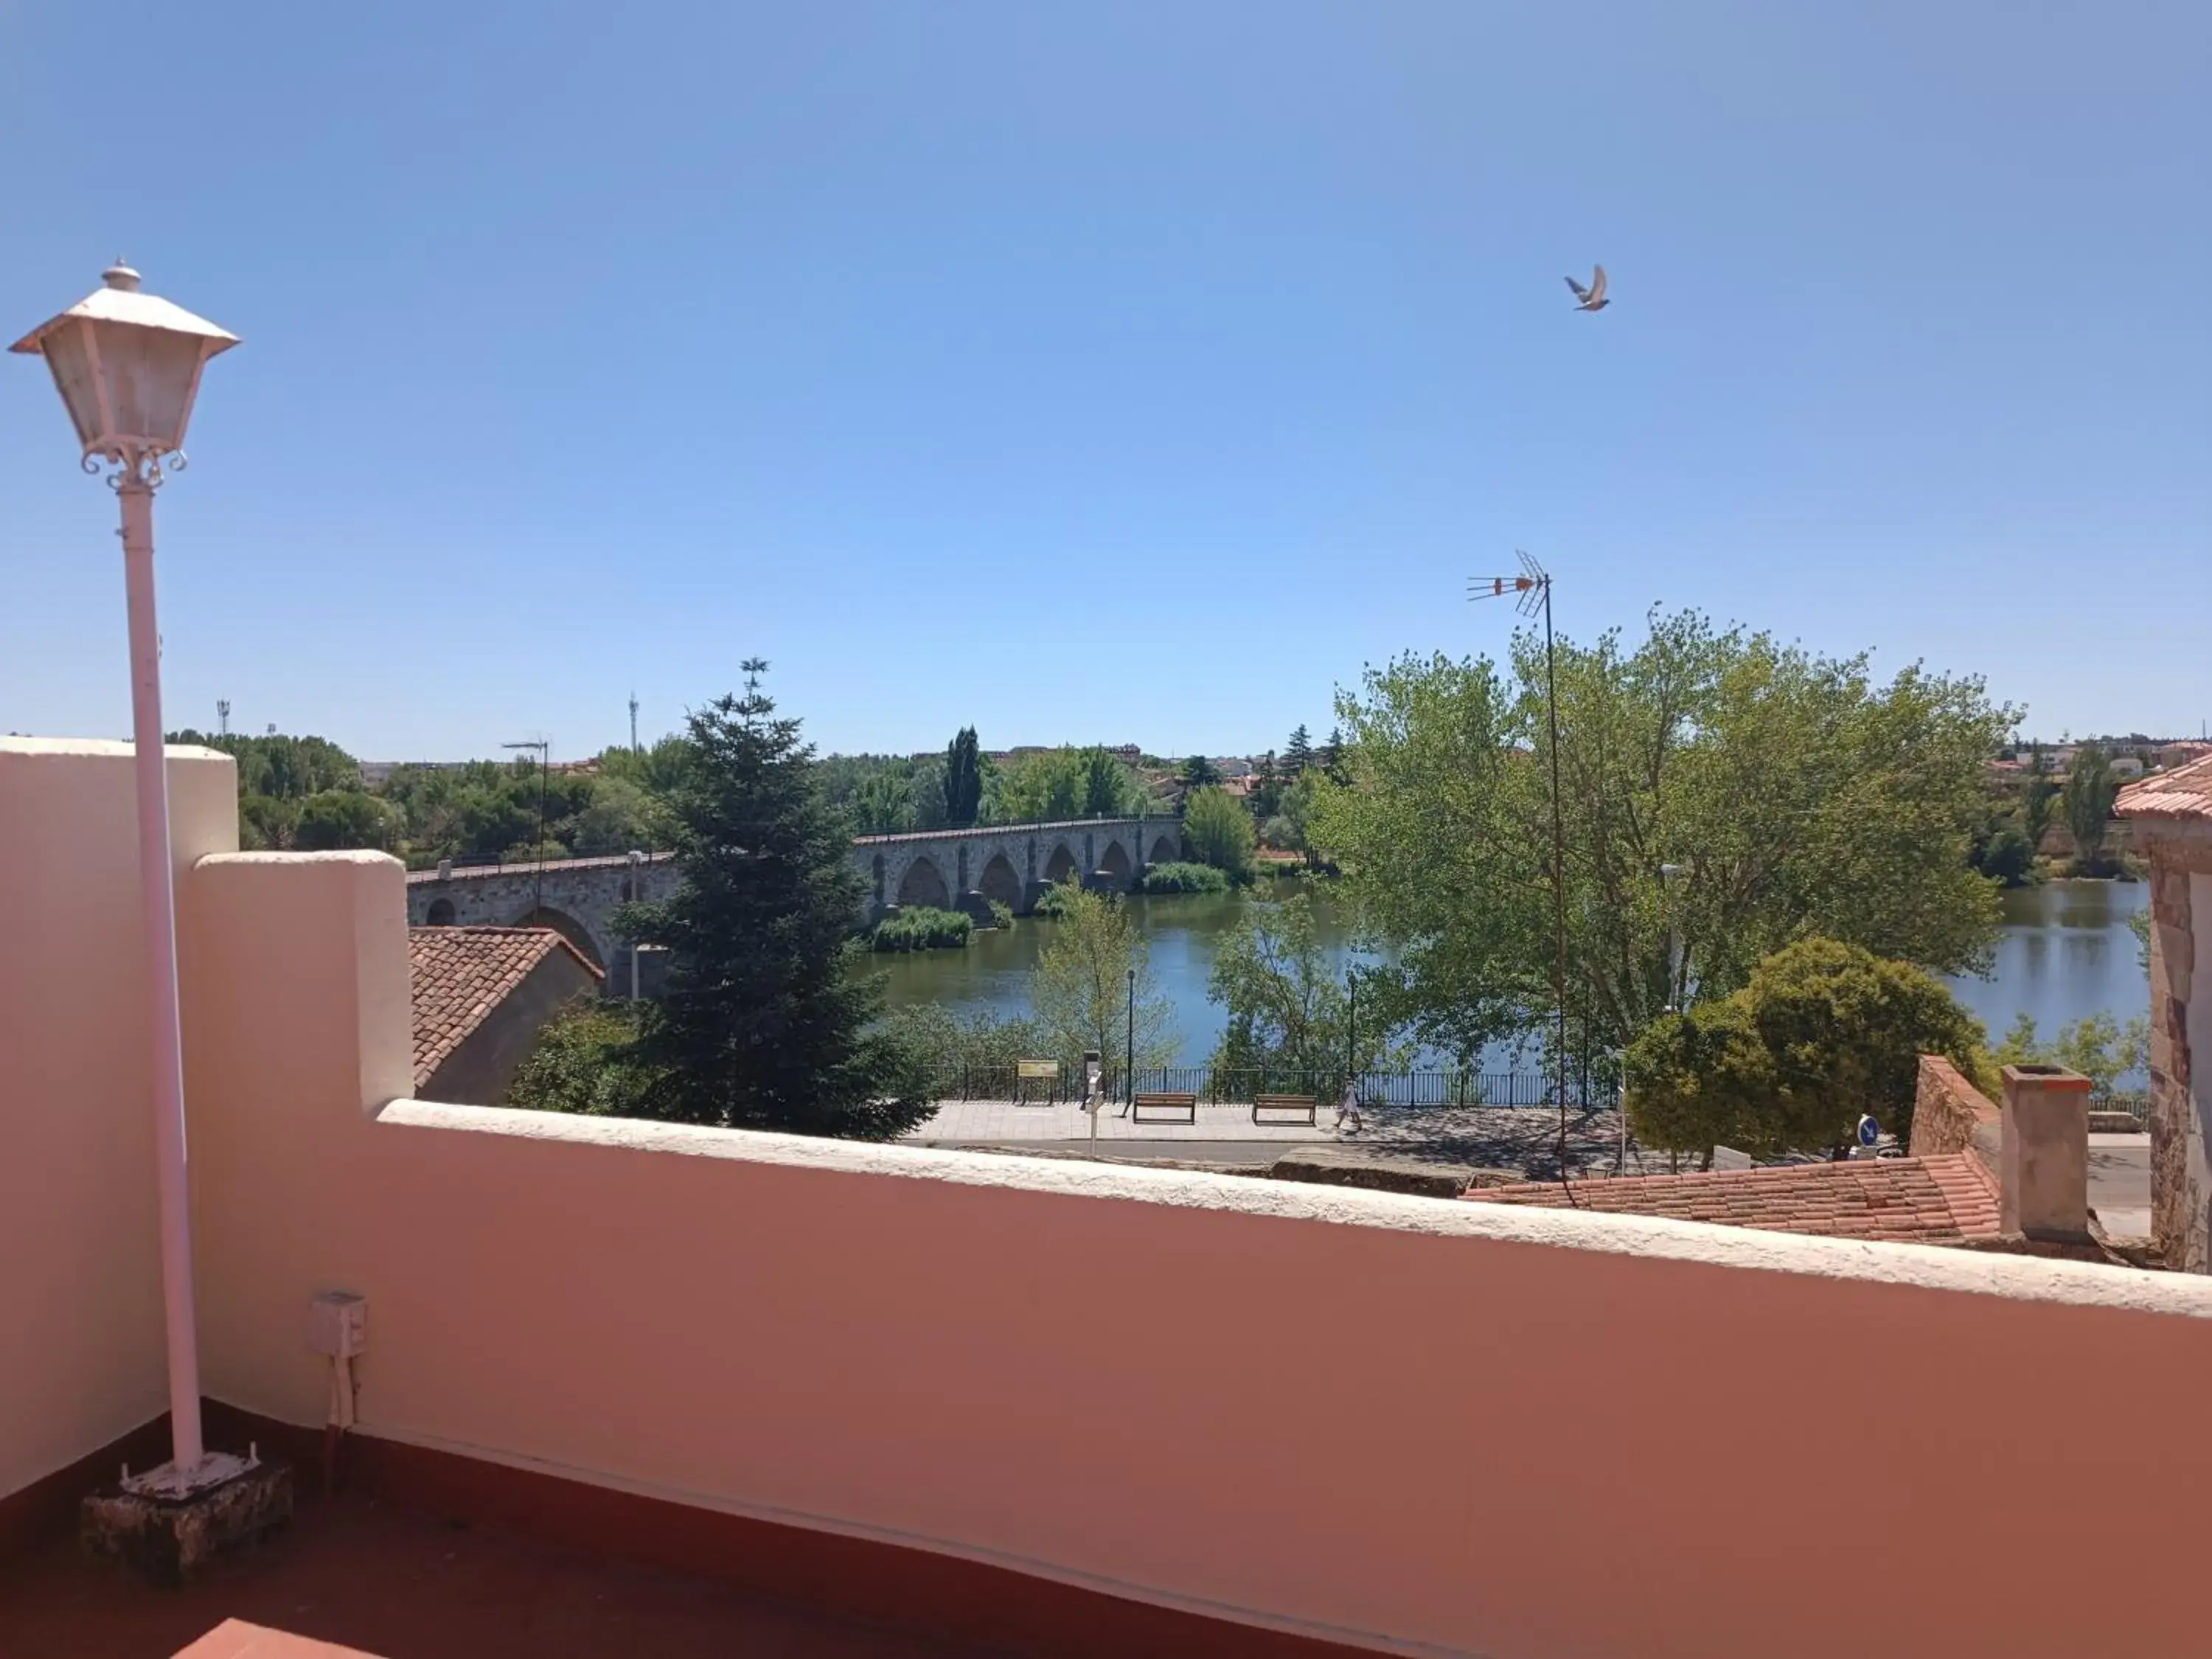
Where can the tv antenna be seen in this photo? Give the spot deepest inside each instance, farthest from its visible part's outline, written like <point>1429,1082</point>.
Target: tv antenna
<point>1532,592</point>
<point>633,722</point>
<point>222,714</point>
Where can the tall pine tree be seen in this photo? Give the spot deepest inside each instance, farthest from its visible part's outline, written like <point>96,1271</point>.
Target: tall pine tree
<point>1299,754</point>
<point>765,1024</point>
<point>963,778</point>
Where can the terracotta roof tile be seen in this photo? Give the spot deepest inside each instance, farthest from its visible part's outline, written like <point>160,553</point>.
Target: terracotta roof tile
<point>458,975</point>
<point>2184,792</point>
<point>1944,1199</point>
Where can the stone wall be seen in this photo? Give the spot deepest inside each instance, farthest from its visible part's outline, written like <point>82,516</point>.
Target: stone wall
<point>2180,941</point>
<point>580,898</point>
<point>1947,1110</point>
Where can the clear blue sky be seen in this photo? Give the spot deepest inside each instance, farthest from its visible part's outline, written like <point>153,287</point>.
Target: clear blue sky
<point>1110,373</point>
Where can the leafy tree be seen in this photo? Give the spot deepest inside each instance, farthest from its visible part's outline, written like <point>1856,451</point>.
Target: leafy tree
<point>582,1063</point>
<point>1218,831</point>
<point>335,819</point>
<point>963,778</point>
<point>1332,754</point>
<point>1070,783</point>
<point>2087,800</point>
<point>1703,1077</point>
<point>2037,796</point>
<point>1266,797</point>
<point>2006,856</point>
<point>1822,1032</point>
<point>1290,1013</point>
<point>1109,788</point>
<point>1199,772</point>
<point>620,817</point>
<point>1081,991</point>
<point>766,1022</point>
<point>2097,1046</point>
<point>1298,754</point>
<point>1795,795</point>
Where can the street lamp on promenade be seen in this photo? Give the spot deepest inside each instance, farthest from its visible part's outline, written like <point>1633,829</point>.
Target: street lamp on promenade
<point>128,367</point>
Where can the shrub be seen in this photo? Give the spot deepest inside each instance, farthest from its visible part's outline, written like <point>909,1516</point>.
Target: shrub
<point>581,1062</point>
<point>1002,914</point>
<point>1054,901</point>
<point>1218,831</point>
<point>1822,1032</point>
<point>1185,879</point>
<point>921,927</point>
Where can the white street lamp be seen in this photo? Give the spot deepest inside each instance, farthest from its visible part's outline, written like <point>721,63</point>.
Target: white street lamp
<point>128,367</point>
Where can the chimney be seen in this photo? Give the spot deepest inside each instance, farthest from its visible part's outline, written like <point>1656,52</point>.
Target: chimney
<point>2045,1163</point>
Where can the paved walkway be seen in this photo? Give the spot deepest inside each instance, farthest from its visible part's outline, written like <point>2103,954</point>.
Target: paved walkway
<point>1522,1138</point>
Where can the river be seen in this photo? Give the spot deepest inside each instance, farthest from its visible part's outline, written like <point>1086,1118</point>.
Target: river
<point>2066,951</point>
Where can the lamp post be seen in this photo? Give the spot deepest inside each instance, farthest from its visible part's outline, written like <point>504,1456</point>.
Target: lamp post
<point>128,367</point>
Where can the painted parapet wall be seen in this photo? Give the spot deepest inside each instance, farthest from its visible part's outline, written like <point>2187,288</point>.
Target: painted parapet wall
<point>1422,1425</point>
<point>80,1324</point>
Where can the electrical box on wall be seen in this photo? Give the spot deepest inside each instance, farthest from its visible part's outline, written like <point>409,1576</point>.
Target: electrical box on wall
<point>337,1324</point>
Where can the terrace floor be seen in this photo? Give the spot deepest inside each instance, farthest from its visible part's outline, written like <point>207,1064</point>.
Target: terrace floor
<point>402,1584</point>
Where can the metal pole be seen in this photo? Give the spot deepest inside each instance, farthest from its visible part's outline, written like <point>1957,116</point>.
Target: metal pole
<point>1129,1083</point>
<point>157,900</point>
<point>1558,872</point>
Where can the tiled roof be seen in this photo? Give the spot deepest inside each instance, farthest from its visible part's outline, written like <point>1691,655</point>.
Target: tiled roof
<point>458,975</point>
<point>2184,792</point>
<point>1944,1199</point>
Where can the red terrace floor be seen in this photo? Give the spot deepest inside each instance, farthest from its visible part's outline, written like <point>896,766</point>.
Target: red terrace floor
<point>400,1584</point>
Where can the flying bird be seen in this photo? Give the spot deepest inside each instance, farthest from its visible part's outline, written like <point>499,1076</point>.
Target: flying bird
<point>1593,297</point>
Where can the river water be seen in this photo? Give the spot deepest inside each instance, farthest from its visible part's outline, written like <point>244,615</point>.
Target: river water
<point>2065,951</point>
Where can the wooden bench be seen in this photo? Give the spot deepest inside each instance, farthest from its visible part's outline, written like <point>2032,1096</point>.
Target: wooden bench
<point>1027,1071</point>
<point>1161,1105</point>
<point>1286,1109</point>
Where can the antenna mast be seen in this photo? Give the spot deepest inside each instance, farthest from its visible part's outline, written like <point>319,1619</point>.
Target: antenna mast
<point>1533,592</point>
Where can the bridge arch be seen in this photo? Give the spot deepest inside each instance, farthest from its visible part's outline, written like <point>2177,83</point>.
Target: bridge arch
<point>440,914</point>
<point>1059,865</point>
<point>570,929</point>
<point>923,882</point>
<point>1163,851</point>
<point>1114,866</point>
<point>1000,882</point>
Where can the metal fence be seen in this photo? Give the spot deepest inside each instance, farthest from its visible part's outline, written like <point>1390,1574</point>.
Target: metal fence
<point>1220,1086</point>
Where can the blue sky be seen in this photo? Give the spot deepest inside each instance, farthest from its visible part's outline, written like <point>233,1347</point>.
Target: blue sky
<point>1124,373</point>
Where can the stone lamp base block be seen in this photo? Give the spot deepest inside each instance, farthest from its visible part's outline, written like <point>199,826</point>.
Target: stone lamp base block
<point>167,1538</point>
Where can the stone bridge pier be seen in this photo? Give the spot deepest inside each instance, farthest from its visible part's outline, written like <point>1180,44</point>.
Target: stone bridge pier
<point>1009,864</point>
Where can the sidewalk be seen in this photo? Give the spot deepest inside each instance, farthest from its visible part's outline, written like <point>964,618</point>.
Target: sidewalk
<point>995,1122</point>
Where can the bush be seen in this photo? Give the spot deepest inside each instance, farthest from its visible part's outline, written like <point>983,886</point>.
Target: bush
<point>1823,1032</point>
<point>1185,879</point>
<point>1054,901</point>
<point>1002,915</point>
<point>1218,831</point>
<point>920,927</point>
<point>582,1063</point>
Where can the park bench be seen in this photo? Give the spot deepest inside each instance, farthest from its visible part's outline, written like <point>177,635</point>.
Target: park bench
<point>1044,1072</point>
<point>1160,1107</point>
<point>1285,1109</point>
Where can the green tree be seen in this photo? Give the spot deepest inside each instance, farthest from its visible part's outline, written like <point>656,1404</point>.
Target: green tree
<point>1290,1013</point>
<point>1218,831</point>
<point>1837,1031</point>
<point>2087,800</point>
<point>963,778</point>
<point>1199,772</point>
<point>2037,796</point>
<point>2097,1045</point>
<point>1081,992</point>
<point>1266,797</point>
<point>337,818</point>
<point>767,1023</point>
<point>581,1062</point>
<point>1298,754</point>
<point>1701,1079</point>
<point>1795,795</point>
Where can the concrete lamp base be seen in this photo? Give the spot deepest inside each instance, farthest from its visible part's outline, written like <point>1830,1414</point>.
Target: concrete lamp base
<point>167,1531</point>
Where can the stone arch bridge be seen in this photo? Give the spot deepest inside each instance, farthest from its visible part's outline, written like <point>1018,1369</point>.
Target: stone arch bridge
<point>1012,864</point>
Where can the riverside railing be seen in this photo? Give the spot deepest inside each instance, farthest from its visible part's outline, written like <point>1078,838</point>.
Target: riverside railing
<point>1224,1086</point>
